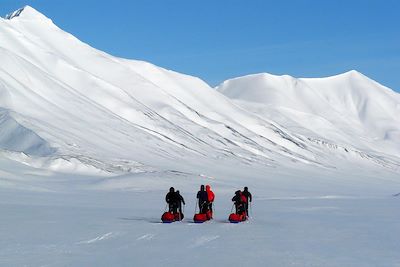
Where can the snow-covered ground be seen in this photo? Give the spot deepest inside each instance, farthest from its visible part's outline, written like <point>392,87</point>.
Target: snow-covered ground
<point>90,144</point>
<point>83,228</point>
<point>303,218</point>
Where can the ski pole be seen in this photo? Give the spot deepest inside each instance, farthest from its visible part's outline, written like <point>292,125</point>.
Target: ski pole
<point>182,212</point>
<point>213,209</point>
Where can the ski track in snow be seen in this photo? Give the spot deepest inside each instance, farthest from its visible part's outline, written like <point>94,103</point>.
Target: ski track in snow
<point>99,238</point>
<point>203,240</point>
<point>146,237</point>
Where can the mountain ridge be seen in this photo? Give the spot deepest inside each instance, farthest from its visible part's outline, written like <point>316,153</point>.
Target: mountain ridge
<point>350,102</point>
<point>26,12</point>
<point>88,104</point>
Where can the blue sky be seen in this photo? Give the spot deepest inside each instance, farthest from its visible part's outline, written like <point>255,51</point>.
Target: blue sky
<point>216,40</point>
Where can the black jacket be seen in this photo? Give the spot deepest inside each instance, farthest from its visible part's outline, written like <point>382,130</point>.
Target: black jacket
<point>180,198</point>
<point>202,196</point>
<point>171,197</point>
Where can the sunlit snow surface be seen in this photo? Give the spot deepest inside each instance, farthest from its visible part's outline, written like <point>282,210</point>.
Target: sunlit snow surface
<point>113,229</point>
<point>90,144</point>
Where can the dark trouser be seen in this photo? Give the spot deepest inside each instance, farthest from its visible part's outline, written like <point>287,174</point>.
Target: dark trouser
<point>203,207</point>
<point>173,207</point>
<point>210,206</point>
<point>246,207</point>
<point>180,208</point>
<point>239,208</point>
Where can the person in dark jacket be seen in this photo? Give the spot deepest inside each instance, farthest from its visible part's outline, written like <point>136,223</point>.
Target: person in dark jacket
<point>203,199</point>
<point>238,201</point>
<point>172,199</point>
<point>248,197</point>
<point>180,202</point>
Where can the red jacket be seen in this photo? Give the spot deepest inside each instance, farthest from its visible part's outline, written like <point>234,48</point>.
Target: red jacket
<point>210,194</point>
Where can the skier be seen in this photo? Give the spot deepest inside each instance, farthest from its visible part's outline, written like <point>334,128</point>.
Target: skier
<point>210,197</point>
<point>239,201</point>
<point>180,201</point>
<point>203,197</point>
<point>172,199</point>
<point>240,215</point>
<point>248,197</point>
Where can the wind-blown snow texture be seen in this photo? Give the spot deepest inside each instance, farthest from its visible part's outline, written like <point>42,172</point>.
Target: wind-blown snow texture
<point>88,137</point>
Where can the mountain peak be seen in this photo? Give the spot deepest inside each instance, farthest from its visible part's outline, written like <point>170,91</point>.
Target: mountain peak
<point>350,73</point>
<point>26,12</point>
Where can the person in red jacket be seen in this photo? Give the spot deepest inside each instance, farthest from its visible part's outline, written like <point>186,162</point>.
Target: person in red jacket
<point>210,197</point>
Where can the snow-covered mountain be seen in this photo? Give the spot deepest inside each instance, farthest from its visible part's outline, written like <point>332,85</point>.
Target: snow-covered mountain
<point>90,144</point>
<point>348,109</point>
<point>64,103</point>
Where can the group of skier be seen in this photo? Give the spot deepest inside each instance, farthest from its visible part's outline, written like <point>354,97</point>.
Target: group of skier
<point>241,201</point>
<point>206,197</point>
<point>175,201</point>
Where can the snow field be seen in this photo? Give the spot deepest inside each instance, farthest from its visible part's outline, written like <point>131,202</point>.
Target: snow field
<point>124,229</point>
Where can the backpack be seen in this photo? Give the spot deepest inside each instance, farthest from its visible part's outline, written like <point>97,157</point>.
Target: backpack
<point>243,198</point>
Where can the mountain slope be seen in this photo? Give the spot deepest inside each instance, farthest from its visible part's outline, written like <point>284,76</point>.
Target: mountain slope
<point>112,113</point>
<point>85,102</point>
<point>347,109</point>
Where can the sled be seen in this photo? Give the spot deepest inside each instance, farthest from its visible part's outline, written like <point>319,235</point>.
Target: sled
<point>236,218</point>
<point>169,217</point>
<point>202,217</point>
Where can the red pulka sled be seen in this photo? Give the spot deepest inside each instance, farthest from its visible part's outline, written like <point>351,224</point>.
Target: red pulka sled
<point>202,217</point>
<point>237,217</point>
<point>169,217</point>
